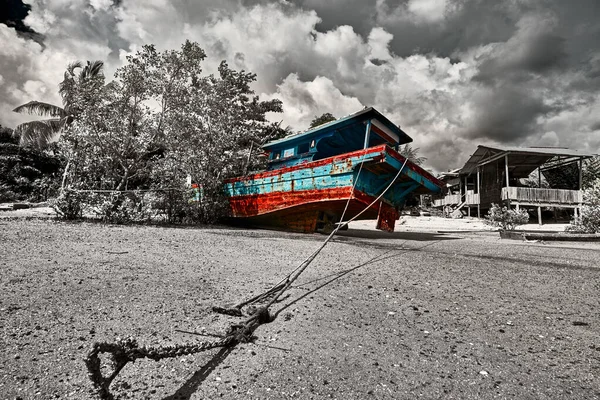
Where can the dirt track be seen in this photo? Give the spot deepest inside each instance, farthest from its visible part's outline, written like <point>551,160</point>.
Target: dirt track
<point>440,316</point>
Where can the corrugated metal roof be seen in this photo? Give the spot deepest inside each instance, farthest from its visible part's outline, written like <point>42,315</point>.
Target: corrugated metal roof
<point>555,151</point>
<point>541,154</point>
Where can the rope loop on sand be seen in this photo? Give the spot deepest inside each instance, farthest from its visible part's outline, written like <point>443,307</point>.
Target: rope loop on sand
<point>127,350</point>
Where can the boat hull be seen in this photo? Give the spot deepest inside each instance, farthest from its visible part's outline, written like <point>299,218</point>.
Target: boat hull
<point>312,196</point>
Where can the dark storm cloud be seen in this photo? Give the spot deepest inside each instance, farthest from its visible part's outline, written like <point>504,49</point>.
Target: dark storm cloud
<point>506,114</point>
<point>360,14</point>
<point>454,73</point>
<point>536,55</point>
<point>12,14</point>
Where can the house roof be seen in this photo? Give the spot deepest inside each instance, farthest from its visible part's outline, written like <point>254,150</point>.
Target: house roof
<point>521,160</point>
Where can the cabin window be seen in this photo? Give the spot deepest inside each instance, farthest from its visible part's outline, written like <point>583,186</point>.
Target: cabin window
<point>276,156</point>
<point>288,153</point>
<point>312,144</point>
<point>303,148</point>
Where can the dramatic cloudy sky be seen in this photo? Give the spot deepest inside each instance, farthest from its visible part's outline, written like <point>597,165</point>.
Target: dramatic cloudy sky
<point>452,73</point>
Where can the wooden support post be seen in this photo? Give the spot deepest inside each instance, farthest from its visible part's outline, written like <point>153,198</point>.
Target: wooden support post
<point>367,133</point>
<point>539,215</point>
<point>478,193</point>
<point>507,180</point>
<point>506,170</point>
<point>518,207</point>
<point>580,184</point>
<point>539,177</point>
<point>468,211</point>
<point>580,173</point>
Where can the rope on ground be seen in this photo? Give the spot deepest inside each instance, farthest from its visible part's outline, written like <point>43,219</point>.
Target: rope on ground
<point>340,274</point>
<point>127,350</point>
<point>282,286</point>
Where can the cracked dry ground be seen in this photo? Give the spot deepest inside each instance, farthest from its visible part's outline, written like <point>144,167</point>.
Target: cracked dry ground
<point>464,316</point>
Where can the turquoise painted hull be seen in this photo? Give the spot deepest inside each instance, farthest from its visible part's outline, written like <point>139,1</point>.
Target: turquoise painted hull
<point>306,193</point>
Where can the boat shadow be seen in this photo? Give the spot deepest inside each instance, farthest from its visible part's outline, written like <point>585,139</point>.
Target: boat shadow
<point>410,236</point>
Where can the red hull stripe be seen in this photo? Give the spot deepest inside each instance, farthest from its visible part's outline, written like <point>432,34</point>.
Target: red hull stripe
<point>255,205</point>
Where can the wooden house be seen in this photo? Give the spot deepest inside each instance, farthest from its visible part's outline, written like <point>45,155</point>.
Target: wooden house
<point>496,175</point>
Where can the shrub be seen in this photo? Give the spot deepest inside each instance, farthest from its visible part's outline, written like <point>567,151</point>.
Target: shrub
<point>505,218</point>
<point>70,204</point>
<point>121,207</point>
<point>589,221</point>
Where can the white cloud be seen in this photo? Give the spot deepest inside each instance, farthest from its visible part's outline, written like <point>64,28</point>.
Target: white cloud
<point>428,10</point>
<point>379,42</point>
<point>303,101</point>
<point>440,102</point>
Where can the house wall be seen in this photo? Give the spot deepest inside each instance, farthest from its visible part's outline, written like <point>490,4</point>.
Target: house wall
<point>492,180</point>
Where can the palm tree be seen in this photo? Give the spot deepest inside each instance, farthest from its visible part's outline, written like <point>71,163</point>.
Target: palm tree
<point>40,133</point>
<point>412,154</point>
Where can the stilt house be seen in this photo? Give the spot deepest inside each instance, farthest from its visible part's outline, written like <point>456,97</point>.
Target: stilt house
<point>497,175</point>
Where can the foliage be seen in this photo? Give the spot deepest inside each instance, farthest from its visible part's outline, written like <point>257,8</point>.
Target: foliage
<point>25,173</point>
<point>70,204</point>
<point>162,120</point>
<point>412,154</point>
<point>563,177</point>
<point>589,221</point>
<point>504,218</point>
<point>121,207</point>
<point>591,171</point>
<point>567,176</point>
<point>41,133</point>
<point>323,119</point>
<point>534,179</point>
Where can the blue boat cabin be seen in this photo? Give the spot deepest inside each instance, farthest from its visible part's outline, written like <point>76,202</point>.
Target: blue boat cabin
<point>337,137</point>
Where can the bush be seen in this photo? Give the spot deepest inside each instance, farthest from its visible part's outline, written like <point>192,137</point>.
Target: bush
<point>121,207</point>
<point>7,194</point>
<point>504,218</point>
<point>589,221</point>
<point>184,207</point>
<point>70,204</point>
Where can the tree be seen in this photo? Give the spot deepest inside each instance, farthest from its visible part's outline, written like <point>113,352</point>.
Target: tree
<point>42,132</point>
<point>412,154</point>
<point>589,219</point>
<point>162,120</point>
<point>25,173</point>
<point>323,119</point>
<point>591,171</point>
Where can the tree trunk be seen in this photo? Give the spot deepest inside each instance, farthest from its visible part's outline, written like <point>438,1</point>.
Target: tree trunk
<point>123,183</point>
<point>64,178</point>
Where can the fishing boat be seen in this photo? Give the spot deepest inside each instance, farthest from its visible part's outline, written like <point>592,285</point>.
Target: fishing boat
<point>338,168</point>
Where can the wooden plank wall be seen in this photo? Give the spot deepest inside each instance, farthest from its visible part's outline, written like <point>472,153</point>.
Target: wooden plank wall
<point>492,180</point>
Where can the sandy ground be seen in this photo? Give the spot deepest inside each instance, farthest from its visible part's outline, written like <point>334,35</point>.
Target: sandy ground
<point>405,224</point>
<point>439,224</point>
<point>424,314</point>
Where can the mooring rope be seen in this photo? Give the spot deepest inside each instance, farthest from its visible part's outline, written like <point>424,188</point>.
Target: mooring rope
<point>340,274</point>
<point>127,350</point>
<point>294,275</point>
